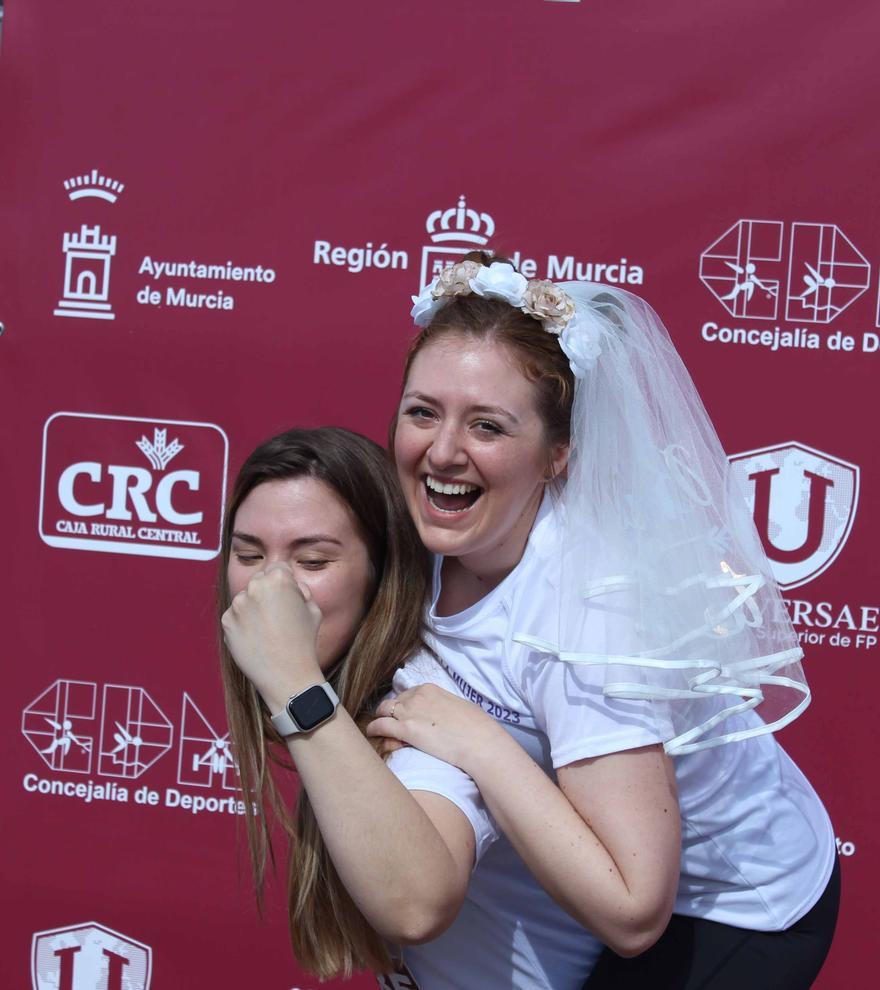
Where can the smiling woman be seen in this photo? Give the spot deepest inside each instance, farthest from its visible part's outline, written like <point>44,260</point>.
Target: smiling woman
<point>504,452</point>
<point>469,468</point>
<point>599,588</point>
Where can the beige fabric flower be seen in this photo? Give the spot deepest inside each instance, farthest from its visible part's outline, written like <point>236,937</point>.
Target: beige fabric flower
<point>547,302</point>
<point>455,280</point>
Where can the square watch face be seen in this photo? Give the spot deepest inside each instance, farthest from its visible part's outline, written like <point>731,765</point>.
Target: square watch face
<point>310,708</point>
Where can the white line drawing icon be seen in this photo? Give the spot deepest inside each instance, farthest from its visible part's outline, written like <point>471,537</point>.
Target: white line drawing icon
<point>747,285</point>
<point>64,738</point>
<point>826,273</point>
<point>729,268</point>
<point>93,185</point>
<point>50,724</point>
<point>814,282</point>
<point>459,225</point>
<point>159,453</point>
<point>87,274</point>
<point>203,752</point>
<point>135,732</point>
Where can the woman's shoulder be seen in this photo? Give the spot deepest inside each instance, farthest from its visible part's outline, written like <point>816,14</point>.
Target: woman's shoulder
<point>422,668</point>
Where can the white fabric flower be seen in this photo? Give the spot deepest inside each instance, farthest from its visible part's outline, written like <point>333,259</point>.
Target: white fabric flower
<point>580,344</point>
<point>425,305</point>
<point>500,281</point>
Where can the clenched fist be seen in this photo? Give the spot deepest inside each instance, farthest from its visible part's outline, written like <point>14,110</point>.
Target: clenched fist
<point>271,629</point>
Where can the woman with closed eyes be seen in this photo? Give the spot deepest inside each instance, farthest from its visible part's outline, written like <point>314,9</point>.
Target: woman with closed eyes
<point>323,586</point>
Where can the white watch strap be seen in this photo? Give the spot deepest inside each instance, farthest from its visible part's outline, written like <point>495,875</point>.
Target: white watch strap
<point>286,725</point>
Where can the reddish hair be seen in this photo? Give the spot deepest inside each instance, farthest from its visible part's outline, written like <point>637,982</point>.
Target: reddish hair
<point>537,352</point>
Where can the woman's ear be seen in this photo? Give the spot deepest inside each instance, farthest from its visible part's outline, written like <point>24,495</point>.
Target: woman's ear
<point>558,461</point>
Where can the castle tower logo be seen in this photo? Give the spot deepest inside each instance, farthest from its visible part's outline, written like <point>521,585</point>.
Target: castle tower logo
<point>87,274</point>
<point>453,232</point>
<point>88,253</point>
<point>804,504</point>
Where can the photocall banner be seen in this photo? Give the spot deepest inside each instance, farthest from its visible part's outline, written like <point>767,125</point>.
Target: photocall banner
<point>213,217</point>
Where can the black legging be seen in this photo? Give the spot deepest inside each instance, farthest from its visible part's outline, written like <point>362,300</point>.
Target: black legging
<point>694,954</point>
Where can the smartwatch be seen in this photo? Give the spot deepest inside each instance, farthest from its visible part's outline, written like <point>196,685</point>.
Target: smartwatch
<point>307,710</point>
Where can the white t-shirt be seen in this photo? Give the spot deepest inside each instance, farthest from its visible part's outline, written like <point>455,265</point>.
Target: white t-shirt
<point>509,934</point>
<point>757,844</point>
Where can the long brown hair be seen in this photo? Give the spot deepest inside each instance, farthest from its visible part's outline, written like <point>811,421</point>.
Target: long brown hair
<point>330,936</point>
<point>537,352</point>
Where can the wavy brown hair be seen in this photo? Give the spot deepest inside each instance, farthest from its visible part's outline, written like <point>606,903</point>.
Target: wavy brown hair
<point>330,936</point>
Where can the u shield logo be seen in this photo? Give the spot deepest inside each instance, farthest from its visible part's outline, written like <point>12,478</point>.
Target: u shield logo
<point>816,500</point>
<point>804,503</point>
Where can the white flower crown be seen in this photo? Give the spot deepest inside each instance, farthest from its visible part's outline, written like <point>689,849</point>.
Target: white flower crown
<point>552,306</point>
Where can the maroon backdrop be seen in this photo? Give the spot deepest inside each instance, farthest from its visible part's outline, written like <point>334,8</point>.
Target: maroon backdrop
<point>213,215</point>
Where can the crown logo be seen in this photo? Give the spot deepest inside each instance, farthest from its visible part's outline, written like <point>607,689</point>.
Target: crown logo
<point>460,224</point>
<point>94,186</point>
<point>159,453</point>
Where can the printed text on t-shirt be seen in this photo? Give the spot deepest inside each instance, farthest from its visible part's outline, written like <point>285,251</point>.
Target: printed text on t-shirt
<point>492,708</point>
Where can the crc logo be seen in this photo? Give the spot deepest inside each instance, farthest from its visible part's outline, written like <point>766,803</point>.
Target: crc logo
<point>744,270</point>
<point>804,503</point>
<point>89,956</point>
<point>122,484</point>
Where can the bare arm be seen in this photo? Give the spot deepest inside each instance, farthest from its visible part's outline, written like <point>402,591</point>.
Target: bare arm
<point>605,843</point>
<point>404,857</point>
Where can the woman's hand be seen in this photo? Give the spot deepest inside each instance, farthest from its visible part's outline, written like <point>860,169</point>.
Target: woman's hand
<point>436,722</point>
<point>271,629</point>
